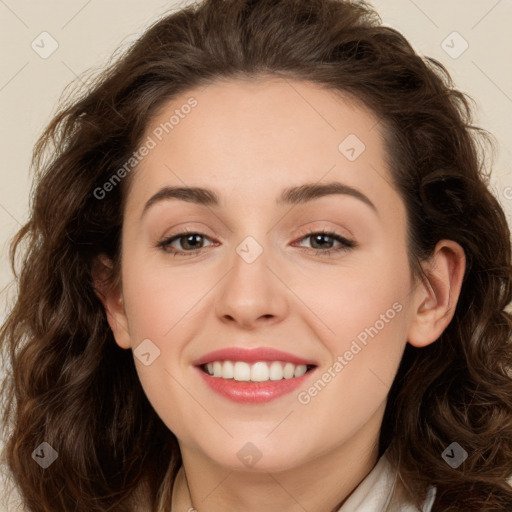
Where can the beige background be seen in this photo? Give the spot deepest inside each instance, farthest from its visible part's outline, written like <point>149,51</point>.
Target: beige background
<point>88,31</point>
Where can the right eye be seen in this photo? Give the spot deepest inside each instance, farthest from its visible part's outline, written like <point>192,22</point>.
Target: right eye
<point>186,238</point>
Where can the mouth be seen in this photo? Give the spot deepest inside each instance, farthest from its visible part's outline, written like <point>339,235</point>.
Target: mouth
<point>253,376</point>
<point>259,371</point>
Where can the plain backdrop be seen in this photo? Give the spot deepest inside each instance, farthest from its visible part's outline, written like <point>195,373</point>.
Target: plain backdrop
<point>472,38</point>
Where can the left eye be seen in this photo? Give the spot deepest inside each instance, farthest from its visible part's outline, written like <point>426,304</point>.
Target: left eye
<point>321,237</point>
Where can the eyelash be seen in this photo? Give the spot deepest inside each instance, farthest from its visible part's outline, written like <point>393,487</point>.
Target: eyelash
<point>346,244</point>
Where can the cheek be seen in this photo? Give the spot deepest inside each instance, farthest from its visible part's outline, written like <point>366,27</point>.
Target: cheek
<point>362,319</point>
<point>161,298</point>
<point>364,354</point>
<point>361,299</point>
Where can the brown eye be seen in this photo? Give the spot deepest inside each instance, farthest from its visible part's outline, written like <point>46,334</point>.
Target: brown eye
<point>322,242</point>
<point>185,242</point>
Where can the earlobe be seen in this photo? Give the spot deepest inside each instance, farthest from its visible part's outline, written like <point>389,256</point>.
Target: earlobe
<point>435,299</point>
<point>112,299</point>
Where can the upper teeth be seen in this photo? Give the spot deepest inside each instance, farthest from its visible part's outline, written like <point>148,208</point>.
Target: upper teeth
<point>256,372</point>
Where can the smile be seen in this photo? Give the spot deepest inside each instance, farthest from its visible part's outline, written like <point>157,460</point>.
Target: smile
<point>253,376</point>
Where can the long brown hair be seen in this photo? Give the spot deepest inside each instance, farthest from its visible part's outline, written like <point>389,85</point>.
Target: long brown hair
<point>70,385</point>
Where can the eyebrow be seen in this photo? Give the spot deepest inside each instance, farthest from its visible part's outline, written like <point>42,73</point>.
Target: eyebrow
<point>289,196</point>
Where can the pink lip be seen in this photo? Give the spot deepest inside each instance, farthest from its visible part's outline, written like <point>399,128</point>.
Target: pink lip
<point>252,392</point>
<point>251,356</point>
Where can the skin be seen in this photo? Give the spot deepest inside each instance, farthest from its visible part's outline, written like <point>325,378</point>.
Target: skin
<point>248,140</point>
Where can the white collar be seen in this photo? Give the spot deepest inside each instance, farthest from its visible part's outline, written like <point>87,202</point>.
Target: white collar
<point>374,493</point>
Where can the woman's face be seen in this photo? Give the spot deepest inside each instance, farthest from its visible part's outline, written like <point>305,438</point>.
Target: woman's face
<point>259,274</point>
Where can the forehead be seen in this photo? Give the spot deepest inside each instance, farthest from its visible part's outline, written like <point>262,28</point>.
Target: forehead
<point>259,136</point>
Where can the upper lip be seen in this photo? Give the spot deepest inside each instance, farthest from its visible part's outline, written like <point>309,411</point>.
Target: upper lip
<point>251,356</point>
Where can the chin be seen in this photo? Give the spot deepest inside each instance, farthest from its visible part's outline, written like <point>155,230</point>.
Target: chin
<point>258,457</point>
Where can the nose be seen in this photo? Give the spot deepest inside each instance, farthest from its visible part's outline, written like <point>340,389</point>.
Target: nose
<point>252,294</point>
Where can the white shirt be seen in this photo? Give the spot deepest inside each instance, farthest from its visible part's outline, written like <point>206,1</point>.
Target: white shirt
<point>373,494</point>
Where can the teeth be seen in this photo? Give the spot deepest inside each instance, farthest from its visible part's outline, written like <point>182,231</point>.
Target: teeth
<point>300,370</point>
<point>241,371</point>
<point>255,372</point>
<point>228,370</point>
<point>276,371</point>
<point>289,370</point>
<point>260,372</point>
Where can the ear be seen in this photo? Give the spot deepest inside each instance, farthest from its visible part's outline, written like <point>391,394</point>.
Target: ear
<point>435,299</point>
<point>112,299</point>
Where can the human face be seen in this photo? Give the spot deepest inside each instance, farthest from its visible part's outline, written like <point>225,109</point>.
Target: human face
<point>255,279</point>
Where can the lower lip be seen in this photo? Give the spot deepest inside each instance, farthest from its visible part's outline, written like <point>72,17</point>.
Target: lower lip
<point>253,392</point>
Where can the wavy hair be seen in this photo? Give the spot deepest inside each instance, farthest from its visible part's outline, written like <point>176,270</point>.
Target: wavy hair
<point>70,385</point>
